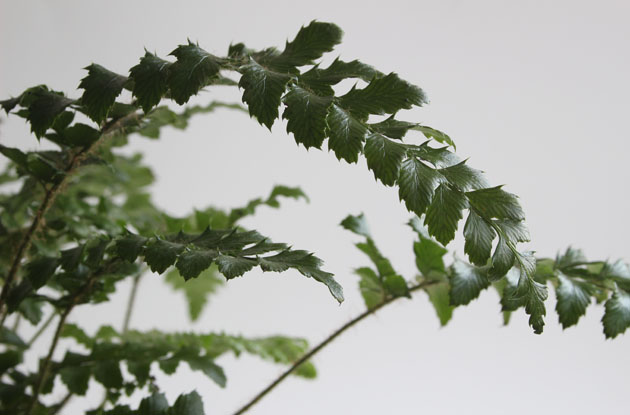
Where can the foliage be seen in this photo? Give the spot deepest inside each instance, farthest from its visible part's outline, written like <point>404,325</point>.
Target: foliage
<point>79,219</point>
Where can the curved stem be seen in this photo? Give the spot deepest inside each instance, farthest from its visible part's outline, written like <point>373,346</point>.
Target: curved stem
<point>324,343</point>
<point>47,202</point>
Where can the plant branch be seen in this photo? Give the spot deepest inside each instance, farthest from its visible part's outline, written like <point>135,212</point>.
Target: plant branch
<point>45,365</point>
<point>131,302</point>
<point>325,343</point>
<point>47,202</point>
<point>41,329</point>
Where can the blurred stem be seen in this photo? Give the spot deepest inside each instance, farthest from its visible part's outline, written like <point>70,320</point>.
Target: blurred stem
<point>42,328</point>
<point>325,343</point>
<point>131,302</point>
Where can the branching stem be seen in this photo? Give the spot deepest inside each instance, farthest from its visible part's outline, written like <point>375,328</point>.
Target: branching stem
<point>325,343</point>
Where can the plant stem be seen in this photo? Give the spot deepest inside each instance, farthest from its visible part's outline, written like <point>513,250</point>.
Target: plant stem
<point>58,407</point>
<point>131,302</point>
<point>41,329</point>
<point>49,198</point>
<point>45,365</point>
<point>325,343</point>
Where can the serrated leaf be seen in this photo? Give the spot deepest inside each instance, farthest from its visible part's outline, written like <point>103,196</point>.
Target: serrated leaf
<point>495,202</point>
<point>194,69</point>
<point>479,236</point>
<point>416,184</point>
<point>309,44</point>
<point>514,230</point>
<point>73,331</point>
<point>192,262</point>
<point>573,298</point>
<point>161,254</point>
<point>43,168</point>
<point>534,293</point>
<point>386,95</point>
<point>9,337</point>
<point>150,80</point>
<point>393,128</point>
<point>321,80</point>
<point>43,107</point>
<point>262,91</point>
<point>233,267</point>
<point>437,135</point>
<point>8,104</point>
<point>617,271</point>
<point>464,177</point>
<point>383,265</point>
<point>467,282</point>
<point>130,246</point>
<point>384,157</point>
<point>101,88</point>
<point>81,135</point>
<point>370,287</point>
<point>346,133</point>
<point>502,259</point>
<point>356,224</point>
<point>15,155</point>
<point>439,297</point>
<point>188,404</point>
<point>617,315</point>
<point>306,114</point>
<point>444,212</point>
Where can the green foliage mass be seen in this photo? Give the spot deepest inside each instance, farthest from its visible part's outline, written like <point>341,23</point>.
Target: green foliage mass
<point>78,219</point>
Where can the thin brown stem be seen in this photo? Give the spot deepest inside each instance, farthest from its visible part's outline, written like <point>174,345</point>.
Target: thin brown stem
<point>325,343</point>
<point>45,365</point>
<point>49,197</point>
<point>58,407</point>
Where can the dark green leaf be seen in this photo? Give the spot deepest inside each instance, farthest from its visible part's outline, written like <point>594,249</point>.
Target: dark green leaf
<point>445,212</point>
<point>233,267</point>
<point>570,258</point>
<point>81,135</point>
<point>208,368</point>
<point>15,155</point>
<point>617,316</point>
<point>8,104</point>
<point>479,236</point>
<point>39,270</point>
<point>502,259</point>
<point>495,202</point>
<point>306,114</point>
<point>321,80</point>
<point>438,136</point>
<point>309,44</point>
<point>43,107</point>
<point>192,262</point>
<point>194,69</point>
<point>467,282</point>
<point>130,246</point>
<point>393,128</point>
<point>417,183</point>
<point>161,254</point>
<point>108,374</point>
<point>534,293</point>
<point>150,80</point>
<point>573,298</point>
<point>262,91</point>
<point>101,88</point>
<point>386,95</point>
<point>384,157</point>
<point>76,378</point>
<point>347,134</point>
<point>464,177</point>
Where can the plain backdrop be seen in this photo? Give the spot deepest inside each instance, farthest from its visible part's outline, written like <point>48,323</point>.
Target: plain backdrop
<point>534,92</point>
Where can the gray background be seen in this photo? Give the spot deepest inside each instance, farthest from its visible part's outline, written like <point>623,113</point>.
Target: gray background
<point>535,93</point>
